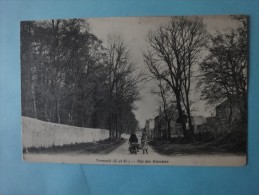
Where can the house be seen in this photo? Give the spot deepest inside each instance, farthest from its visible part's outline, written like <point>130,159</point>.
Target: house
<point>211,123</point>
<point>149,128</point>
<point>211,119</point>
<point>229,110</point>
<point>161,123</point>
<point>160,129</point>
<point>199,124</point>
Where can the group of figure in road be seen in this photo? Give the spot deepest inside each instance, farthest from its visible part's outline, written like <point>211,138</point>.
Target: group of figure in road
<point>133,143</point>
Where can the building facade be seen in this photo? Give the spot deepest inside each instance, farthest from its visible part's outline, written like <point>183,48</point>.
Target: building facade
<point>161,127</point>
<point>161,124</point>
<point>149,128</point>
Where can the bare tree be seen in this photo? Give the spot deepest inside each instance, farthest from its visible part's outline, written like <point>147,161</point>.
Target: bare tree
<point>122,82</point>
<point>174,49</point>
<point>224,71</point>
<point>167,98</point>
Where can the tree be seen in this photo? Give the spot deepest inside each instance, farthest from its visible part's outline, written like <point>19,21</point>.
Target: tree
<point>122,83</point>
<point>69,77</point>
<point>167,102</point>
<point>224,71</point>
<point>174,49</point>
<point>66,66</point>
<point>85,71</point>
<point>28,97</point>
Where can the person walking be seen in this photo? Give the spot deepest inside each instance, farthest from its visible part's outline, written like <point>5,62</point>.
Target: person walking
<point>144,144</point>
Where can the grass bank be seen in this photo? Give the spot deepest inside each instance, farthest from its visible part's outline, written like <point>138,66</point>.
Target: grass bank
<point>99,147</point>
<point>202,144</point>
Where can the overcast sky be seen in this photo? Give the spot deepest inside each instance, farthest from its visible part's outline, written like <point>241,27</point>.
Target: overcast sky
<point>134,31</point>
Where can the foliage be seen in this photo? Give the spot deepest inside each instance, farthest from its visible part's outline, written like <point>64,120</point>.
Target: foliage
<point>224,71</point>
<point>174,49</point>
<point>67,76</point>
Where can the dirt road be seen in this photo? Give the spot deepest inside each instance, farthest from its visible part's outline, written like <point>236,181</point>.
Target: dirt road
<point>121,156</point>
<point>123,150</point>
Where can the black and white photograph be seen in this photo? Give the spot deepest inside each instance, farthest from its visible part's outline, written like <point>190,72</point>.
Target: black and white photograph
<point>160,90</point>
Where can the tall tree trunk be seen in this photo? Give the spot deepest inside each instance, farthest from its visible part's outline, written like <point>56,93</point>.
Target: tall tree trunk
<point>189,118</point>
<point>58,104</point>
<point>29,96</point>
<point>71,115</point>
<point>35,107</point>
<point>179,108</point>
<point>89,118</point>
<point>58,110</point>
<point>110,124</point>
<point>169,130</point>
<point>230,113</point>
<point>168,119</point>
<point>116,126</point>
<point>76,114</point>
<point>243,108</point>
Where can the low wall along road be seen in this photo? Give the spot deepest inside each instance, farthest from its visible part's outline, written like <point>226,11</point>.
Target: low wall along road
<point>36,133</point>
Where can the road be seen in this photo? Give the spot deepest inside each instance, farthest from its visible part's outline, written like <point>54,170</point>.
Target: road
<point>123,150</point>
<point>121,156</point>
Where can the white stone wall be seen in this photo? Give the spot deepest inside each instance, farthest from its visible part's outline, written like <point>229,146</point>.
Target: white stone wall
<point>36,133</point>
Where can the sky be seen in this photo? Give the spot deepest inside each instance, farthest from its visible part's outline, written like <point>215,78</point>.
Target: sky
<point>134,31</point>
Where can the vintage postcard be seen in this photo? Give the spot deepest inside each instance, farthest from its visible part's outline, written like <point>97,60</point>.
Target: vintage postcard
<point>135,90</point>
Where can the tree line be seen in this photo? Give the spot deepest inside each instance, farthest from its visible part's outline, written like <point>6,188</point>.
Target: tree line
<point>70,77</point>
<point>184,42</point>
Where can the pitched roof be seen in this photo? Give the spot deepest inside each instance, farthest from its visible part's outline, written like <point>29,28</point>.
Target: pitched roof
<point>234,98</point>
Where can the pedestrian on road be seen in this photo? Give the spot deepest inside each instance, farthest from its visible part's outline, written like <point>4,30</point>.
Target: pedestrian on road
<point>133,139</point>
<point>144,144</point>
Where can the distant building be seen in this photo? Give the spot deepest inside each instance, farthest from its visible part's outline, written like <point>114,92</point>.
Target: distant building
<point>149,128</point>
<point>160,124</point>
<point>228,111</point>
<point>211,119</point>
<point>199,124</point>
<point>161,130</point>
<point>211,124</point>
